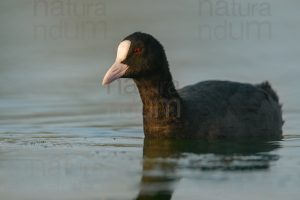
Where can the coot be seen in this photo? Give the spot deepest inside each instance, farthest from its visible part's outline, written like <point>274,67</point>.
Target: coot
<point>208,109</point>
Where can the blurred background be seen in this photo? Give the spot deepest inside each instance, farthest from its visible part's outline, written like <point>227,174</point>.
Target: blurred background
<point>54,54</point>
<point>64,136</point>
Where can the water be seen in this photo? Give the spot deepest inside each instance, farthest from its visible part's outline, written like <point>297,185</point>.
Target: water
<point>64,136</point>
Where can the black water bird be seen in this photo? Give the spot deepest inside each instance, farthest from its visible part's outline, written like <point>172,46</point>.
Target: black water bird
<point>208,109</point>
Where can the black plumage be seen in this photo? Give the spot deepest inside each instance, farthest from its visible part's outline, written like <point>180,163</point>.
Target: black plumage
<point>208,109</point>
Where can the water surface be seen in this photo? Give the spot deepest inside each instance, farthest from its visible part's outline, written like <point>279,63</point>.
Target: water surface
<point>64,136</point>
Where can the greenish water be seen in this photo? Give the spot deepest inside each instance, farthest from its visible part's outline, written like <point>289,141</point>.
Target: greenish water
<point>115,162</point>
<point>64,136</point>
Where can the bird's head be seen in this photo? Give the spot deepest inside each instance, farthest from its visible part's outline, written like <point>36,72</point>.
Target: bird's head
<point>139,55</point>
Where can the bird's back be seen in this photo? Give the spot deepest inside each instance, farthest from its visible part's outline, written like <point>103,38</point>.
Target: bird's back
<point>230,109</point>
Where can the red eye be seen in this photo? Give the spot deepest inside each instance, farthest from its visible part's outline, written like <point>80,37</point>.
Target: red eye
<point>137,51</point>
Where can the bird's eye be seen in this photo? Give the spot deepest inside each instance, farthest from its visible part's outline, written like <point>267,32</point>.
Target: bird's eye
<point>137,50</point>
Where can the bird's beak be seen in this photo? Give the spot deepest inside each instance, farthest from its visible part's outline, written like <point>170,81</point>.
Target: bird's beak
<point>117,70</point>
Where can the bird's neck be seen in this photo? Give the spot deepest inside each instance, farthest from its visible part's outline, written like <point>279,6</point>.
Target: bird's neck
<point>162,105</point>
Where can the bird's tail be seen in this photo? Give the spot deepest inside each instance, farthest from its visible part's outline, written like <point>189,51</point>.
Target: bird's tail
<point>268,89</point>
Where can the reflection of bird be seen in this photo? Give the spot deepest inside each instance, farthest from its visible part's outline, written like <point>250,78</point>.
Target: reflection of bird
<point>209,109</point>
<point>164,158</point>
